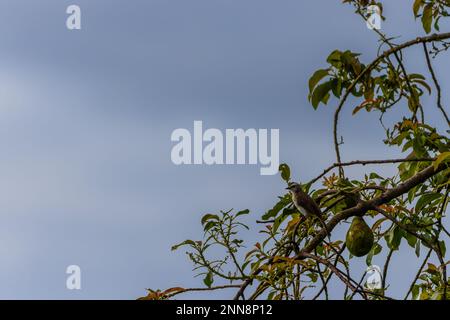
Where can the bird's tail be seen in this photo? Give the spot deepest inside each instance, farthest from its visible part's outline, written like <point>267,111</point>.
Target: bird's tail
<point>324,225</point>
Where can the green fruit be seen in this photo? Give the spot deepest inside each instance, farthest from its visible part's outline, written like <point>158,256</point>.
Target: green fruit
<point>359,237</point>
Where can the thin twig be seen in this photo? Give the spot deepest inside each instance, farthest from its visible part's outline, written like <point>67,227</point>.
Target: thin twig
<point>338,256</point>
<point>385,269</point>
<point>347,281</point>
<point>418,273</point>
<point>366,162</point>
<point>230,286</point>
<point>436,84</point>
<point>321,277</point>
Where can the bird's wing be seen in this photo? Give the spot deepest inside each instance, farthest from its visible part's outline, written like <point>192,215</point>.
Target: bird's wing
<point>312,207</point>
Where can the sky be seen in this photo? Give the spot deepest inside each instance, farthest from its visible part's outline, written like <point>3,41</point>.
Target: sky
<point>86,118</point>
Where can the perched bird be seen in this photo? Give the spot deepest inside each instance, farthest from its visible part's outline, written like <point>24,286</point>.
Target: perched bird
<point>305,204</point>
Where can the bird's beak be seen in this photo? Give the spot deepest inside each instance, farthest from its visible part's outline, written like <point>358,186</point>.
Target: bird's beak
<point>288,188</point>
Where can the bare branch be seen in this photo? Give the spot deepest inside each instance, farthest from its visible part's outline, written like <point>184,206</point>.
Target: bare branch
<point>366,162</point>
<point>230,286</point>
<point>436,83</point>
<point>418,273</point>
<point>386,267</point>
<point>333,268</point>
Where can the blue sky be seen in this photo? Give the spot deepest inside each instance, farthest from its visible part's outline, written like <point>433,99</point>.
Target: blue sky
<point>86,118</point>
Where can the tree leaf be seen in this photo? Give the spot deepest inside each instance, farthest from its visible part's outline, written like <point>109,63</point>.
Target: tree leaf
<point>242,212</point>
<point>394,238</point>
<point>376,249</point>
<point>316,77</point>
<point>207,217</point>
<point>411,239</point>
<point>321,94</point>
<point>284,201</point>
<point>285,172</point>
<point>184,243</point>
<point>335,58</point>
<point>442,247</point>
<point>417,251</point>
<point>426,199</point>
<point>441,158</point>
<point>208,280</point>
<point>427,17</point>
<point>416,7</point>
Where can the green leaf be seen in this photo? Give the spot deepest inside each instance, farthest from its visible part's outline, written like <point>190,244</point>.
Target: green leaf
<point>414,76</point>
<point>316,77</point>
<point>313,276</point>
<point>242,212</point>
<point>427,17</point>
<point>442,247</point>
<point>416,7</point>
<point>417,248</point>
<point>184,243</point>
<point>207,217</point>
<point>336,87</point>
<point>424,84</point>
<point>441,158</point>
<point>278,221</point>
<point>208,280</point>
<point>376,249</point>
<point>394,238</point>
<point>284,201</point>
<point>412,103</point>
<point>335,58</point>
<point>374,175</point>
<point>321,94</point>
<point>425,200</point>
<point>415,291</point>
<point>285,172</point>
<point>412,194</point>
<point>209,225</point>
<point>411,239</point>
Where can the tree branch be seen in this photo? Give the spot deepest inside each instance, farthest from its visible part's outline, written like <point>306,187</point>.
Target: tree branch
<point>436,84</point>
<point>230,286</point>
<point>418,273</point>
<point>370,67</point>
<point>358,210</point>
<point>366,162</point>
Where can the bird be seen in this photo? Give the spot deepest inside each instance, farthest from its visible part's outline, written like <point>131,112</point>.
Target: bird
<point>304,203</point>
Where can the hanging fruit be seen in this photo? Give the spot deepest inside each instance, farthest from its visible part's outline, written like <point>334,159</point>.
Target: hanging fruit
<point>359,237</point>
